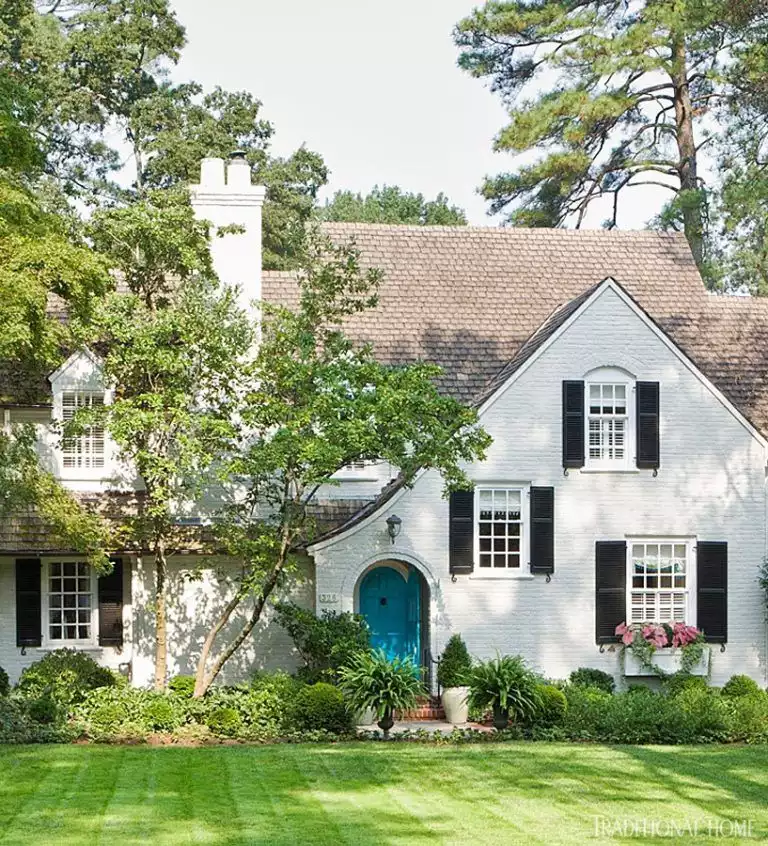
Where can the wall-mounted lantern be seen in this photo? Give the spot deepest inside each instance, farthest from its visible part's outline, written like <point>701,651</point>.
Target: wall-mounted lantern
<point>394,524</point>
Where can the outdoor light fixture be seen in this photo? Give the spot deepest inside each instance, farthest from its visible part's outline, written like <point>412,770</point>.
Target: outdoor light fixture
<point>394,524</point>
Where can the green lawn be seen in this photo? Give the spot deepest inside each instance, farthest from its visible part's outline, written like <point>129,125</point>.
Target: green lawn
<point>379,793</point>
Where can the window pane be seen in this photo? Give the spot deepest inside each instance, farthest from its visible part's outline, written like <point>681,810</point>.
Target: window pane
<point>500,528</point>
<point>485,560</point>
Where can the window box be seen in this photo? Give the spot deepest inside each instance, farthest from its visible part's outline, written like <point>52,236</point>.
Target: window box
<point>667,660</point>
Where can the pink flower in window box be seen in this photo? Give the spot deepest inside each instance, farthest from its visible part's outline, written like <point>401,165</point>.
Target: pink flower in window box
<point>656,635</point>
<point>682,635</point>
<point>625,633</point>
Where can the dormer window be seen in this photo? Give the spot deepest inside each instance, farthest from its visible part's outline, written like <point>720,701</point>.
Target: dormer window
<point>86,450</point>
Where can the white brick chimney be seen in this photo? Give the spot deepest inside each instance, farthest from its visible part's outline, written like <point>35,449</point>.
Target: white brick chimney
<point>230,199</point>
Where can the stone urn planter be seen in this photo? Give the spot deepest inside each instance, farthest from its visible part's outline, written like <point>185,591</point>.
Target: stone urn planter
<point>454,701</point>
<point>386,722</point>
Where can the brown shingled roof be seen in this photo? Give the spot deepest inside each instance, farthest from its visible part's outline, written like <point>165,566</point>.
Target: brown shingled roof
<point>469,298</point>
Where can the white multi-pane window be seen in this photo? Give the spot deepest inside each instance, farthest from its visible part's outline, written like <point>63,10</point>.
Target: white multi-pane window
<point>607,424</point>
<point>499,529</point>
<point>84,451</point>
<point>660,587</point>
<point>70,601</point>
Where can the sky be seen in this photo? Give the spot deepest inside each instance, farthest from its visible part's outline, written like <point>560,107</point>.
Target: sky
<point>372,86</point>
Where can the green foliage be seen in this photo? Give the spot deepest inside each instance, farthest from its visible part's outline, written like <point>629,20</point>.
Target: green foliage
<point>319,402</point>
<point>680,681</point>
<point>321,707</point>
<point>182,686</point>
<point>590,677</point>
<point>44,710</point>
<point>112,712</point>
<point>5,685</point>
<point>591,89</point>
<point>325,643</point>
<point>391,204</point>
<point>17,724</point>
<point>371,680</point>
<point>505,683</point>
<point>748,718</point>
<point>25,484</point>
<point>740,685</point>
<point>64,675</point>
<point>225,722</point>
<point>552,707</point>
<point>455,663</point>
<point>587,712</point>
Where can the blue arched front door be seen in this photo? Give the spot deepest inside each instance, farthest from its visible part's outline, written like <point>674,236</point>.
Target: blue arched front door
<point>391,607</point>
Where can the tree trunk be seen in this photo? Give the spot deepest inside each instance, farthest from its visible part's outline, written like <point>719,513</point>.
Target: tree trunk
<point>203,681</point>
<point>693,219</point>
<point>161,622</point>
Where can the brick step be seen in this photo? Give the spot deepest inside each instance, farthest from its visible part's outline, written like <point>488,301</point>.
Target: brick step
<point>426,709</point>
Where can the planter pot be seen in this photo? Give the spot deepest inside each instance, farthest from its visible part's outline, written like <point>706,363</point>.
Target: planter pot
<point>454,701</point>
<point>666,659</point>
<point>386,722</point>
<point>500,718</point>
<point>366,717</point>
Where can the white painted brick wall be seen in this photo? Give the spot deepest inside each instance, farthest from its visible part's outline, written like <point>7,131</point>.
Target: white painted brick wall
<point>711,485</point>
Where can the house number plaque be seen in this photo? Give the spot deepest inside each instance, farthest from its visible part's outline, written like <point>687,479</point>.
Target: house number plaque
<point>329,598</point>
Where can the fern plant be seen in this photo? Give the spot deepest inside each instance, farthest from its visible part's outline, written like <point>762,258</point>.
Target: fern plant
<point>371,680</point>
<point>508,686</point>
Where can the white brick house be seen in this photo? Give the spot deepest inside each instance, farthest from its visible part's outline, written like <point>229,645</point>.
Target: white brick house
<point>626,480</point>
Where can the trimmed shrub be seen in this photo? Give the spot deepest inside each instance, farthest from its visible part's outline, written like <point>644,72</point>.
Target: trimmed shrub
<point>65,675</point>
<point>747,718</point>
<point>552,706</point>
<point>455,663</point>
<point>679,682</point>
<point>587,713</point>
<point>17,726</point>
<point>740,686</point>
<point>326,643</point>
<point>225,722</point>
<point>705,715</point>
<point>44,710</point>
<point>590,677</point>
<point>321,707</point>
<point>5,685</point>
<point>182,686</point>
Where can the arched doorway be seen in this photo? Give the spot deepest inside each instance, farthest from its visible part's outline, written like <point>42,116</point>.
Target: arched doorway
<point>393,597</point>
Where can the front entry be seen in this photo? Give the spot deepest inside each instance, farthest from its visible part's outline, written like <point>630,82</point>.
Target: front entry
<point>390,601</point>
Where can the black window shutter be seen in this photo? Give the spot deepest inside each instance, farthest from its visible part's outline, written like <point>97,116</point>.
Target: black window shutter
<point>111,606</point>
<point>712,590</point>
<point>28,608</point>
<point>542,530</point>
<point>611,589</point>
<point>573,424</point>
<point>647,395</point>
<point>462,532</point>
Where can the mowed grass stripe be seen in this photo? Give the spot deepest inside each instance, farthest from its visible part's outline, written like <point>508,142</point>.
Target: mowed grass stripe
<point>372,793</point>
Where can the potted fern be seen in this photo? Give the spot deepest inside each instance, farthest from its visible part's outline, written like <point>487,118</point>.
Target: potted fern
<point>452,673</point>
<point>371,680</point>
<point>506,685</point>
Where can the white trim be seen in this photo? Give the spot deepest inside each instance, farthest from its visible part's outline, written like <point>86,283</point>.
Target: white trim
<point>347,596</point>
<point>610,283</point>
<point>47,643</point>
<point>599,379</point>
<point>62,369</point>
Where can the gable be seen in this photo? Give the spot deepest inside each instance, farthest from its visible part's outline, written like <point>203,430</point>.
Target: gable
<point>82,370</point>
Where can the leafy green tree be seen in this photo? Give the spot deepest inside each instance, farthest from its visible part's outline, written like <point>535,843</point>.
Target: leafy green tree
<point>24,485</point>
<point>612,94</point>
<point>743,156</point>
<point>391,204</point>
<point>172,345</point>
<point>317,402</point>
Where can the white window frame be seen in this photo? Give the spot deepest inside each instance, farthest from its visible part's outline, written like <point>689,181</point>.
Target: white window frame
<point>611,376</point>
<point>87,467</point>
<point>690,576</point>
<point>76,643</point>
<point>523,571</point>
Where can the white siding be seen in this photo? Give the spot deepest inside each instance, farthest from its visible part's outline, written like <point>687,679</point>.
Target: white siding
<point>711,485</point>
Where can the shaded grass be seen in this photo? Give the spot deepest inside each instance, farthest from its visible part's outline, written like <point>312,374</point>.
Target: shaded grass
<point>377,793</point>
